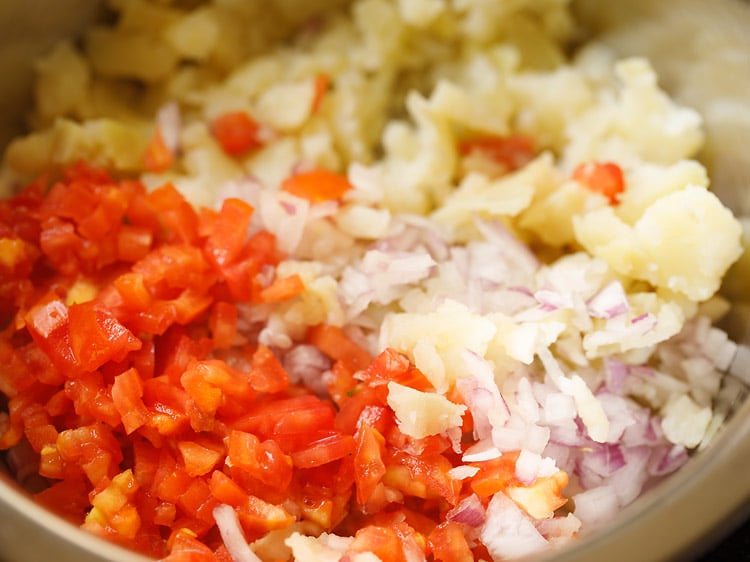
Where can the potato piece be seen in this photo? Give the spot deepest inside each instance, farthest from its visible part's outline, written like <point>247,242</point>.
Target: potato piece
<point>684,242</point>
<point>129,55</point>
<point>195,35</point>
<point>100,142</point>
<point>692,239</point>
<point>421,414</point>
<point>63,78</point>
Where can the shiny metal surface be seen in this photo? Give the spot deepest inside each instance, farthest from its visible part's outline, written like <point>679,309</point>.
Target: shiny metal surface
<point>674,521</point>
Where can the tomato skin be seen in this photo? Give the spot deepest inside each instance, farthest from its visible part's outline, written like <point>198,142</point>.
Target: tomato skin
<point>236,133</point>
<point>605,178</point>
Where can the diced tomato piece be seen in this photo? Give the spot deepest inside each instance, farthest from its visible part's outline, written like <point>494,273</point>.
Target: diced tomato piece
<point>422,476</point>
<point>175,214</point>
<point>262,460</point>
<point>198,460</point>
<point>236,132</point>
<point>283,289</point>
<point>605,178</point>
<point>112,510</point>
<point>185,547</point>
<point>68,498</point>
<point>321,85</point>
<point>158,156</point>
<point>127,395</point>
<point>317,185</point>
<point>369,467</point>
<point>391,365</point>
<point>323,450</point>
<point>383,542</point>
<point>229,233</point>
<point>259,516</point>
<point>94,448</point>
<point>97,337</point>
<point>48,325</point>
<point>133,242</point>
<point>448,543</point>
<point>267,373</point>
<point>197,501</point>
<point>297,418</point>
<point>512,152</point>
<point>226,490</point>
<point>223,324</point>
<point>494,475</point>
<point>332,341</point>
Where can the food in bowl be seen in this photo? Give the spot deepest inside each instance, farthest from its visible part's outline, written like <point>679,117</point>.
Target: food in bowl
<point>409,283</point>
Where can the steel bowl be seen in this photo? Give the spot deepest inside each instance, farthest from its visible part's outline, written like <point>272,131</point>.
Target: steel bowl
<point>701,50</point>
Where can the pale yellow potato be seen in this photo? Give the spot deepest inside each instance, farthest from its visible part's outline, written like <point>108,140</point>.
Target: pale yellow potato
<point>63,80</point>
<point>685,242</point>
<point>100,142</point>
<point>129,55</point>
<point>195,34</point>
<point>421,414</point>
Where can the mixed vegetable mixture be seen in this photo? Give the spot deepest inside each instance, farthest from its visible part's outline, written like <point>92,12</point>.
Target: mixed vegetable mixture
<point>243,328</point>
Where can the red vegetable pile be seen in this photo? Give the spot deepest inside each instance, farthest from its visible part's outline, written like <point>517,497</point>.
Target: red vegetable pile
<point>137,389</point>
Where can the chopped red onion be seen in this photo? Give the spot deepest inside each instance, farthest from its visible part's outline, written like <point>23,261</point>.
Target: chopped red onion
<point>508,532</point>
<point>306,364</point>
<point>462,472</point>
<point>550,301</point>
<point>469,511</point>
<point>481,451</point>
<point>597,505</point>
<point>169,121</point>
<point>611,301</point>
<point>666,459</point>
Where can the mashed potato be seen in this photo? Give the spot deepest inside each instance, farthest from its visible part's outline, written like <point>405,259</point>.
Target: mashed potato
<point>565,310</point>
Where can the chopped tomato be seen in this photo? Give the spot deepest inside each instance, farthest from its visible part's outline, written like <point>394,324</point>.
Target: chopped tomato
<point>267,374</point>
<point>448,543</point>
<point>494,475</point>
<point>322,83</point>
<point>332,341</point>
<point>317,185</point>
<point>158,156</point>
<point>127,395</point>
<point>323,450</point>
<point>236,132</point>
<point>283,289</point>
<point>369,467</point>
<point>605,178</point>
<point>511,152</point>
<point>136,376</point>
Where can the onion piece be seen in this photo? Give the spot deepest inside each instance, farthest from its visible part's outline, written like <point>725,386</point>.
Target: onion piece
<point>508,532</point>
<point>611,301</point>
<point>169,122</point>
<point>469,511</point>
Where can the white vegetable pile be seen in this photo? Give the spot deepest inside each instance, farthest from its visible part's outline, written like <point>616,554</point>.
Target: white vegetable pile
<point>577,332</point>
